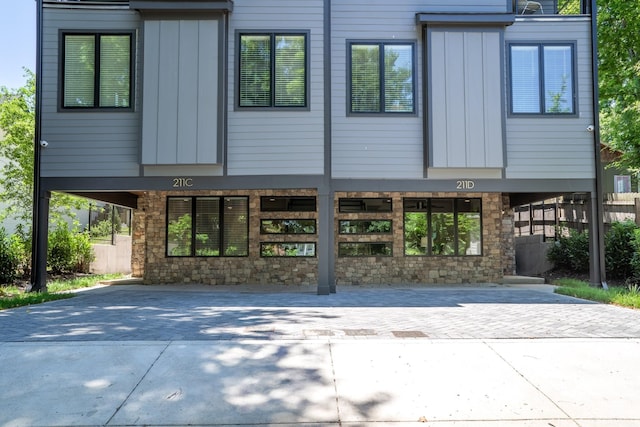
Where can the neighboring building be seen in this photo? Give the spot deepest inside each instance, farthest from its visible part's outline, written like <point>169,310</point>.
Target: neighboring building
<point>317,141</point>
<point>616,179</point>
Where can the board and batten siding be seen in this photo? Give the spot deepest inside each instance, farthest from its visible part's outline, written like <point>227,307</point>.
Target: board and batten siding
<point>272,141</point>
<point>465,102</point>
<point>86,143</point>
<point>180,90</point>
<point>383,146</point>
<point>554,147</point>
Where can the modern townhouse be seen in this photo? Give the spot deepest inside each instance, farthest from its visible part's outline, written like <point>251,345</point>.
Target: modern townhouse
<point>317,141</point>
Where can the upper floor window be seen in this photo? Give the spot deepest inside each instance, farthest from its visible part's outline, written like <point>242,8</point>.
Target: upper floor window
<point>542,78</point>
<point>381,77</point>
<point>97,70</point>
<point>273,70</point>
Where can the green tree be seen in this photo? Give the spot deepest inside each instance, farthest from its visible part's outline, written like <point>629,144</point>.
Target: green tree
<point>619,78</point>
<point>17,121</point>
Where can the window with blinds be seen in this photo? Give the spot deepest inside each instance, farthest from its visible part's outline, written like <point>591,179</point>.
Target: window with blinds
<point>97,70</point>
<point>381,77</point>
<point>207,226</point>
<point>542,78</point>
<point>273,70</point>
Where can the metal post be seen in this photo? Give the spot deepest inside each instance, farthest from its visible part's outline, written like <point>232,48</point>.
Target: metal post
<point>38,279</point>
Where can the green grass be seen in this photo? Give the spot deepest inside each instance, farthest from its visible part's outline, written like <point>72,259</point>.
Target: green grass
<point>622,296</point>
<point>12,296</point>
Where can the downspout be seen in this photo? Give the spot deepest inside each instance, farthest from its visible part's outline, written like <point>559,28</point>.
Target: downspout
<point>597,268</point>
<point>38,283</point>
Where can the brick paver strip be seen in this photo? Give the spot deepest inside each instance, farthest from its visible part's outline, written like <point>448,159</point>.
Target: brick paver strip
<point>127,313</point>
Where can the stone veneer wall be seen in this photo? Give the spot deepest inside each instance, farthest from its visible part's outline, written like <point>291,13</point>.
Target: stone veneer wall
<point>400,269</point>
<point>508,238</point>
<point>149,258</point>
<point>150,253</point>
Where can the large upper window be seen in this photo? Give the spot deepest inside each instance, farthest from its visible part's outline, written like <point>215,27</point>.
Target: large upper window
<point>542,78</point>
<point>97,70</point>
<point>207,226</point>
<point>381,77</point>
<point>272,70</point>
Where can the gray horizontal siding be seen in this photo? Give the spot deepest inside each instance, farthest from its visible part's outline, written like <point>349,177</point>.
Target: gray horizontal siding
<point>272,142</point>
<point>85,143</point>
<point>540,147</point>
<point>375,147</point>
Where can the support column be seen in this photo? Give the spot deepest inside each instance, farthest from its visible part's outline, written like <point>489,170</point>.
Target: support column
<point>39,245</point>
<point>325,252</point>
<point>597,271</point>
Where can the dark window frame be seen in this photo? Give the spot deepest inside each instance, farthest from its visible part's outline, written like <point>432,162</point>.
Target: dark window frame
<point>96,78</point>
<point>365,233</point>
<point>426,208</point>
<point>541,67</point>
<point>273,34</point>
<point>387,244</point>
<point>381,111</point>
<point>315,226</point>
<point>292,206</point>
<point>263,244</point>
<point>342,201</point>
<point>194,215</point>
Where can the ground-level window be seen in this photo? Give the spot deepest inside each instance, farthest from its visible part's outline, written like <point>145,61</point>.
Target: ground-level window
<point>441,227</point>
<point>346,249</point>
<point>363,226</point>
<point>287,204</point>
<point>287,249</point>
<point>287,226</point>
<point>375,204</point>
<point>207,226</point>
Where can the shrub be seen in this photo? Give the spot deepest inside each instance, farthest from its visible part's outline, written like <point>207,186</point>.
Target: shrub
<point>619,249</point>
<point>10,258</point>
<point>69,251</point>
<point>571,252</point>
<point>635,259</point>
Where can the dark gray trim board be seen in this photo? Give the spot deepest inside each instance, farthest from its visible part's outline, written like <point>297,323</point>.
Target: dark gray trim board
<point>503,19</point>
<point>196,183</point>
<point>177,5</point>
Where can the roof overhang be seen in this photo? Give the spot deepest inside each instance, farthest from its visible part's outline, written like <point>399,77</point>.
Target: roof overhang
<point>177,6</point>
<point>472,19</point>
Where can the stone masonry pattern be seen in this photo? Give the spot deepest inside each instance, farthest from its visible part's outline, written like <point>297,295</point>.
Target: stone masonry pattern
<point>149,258</point>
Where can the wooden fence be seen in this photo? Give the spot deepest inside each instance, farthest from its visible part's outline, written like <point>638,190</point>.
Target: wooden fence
<point>571,212</point>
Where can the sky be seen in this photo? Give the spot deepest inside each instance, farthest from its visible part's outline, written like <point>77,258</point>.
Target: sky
<point>17,41</point>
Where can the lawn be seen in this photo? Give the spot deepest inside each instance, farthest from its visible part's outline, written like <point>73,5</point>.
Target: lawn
<point>15,296</point>
<point>625,296</point>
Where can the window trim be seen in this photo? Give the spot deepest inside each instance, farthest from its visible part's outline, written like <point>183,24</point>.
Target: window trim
<point>574,78</point>
<point>381,43</point>
<point>221,206</point>
<point>272,34</point>
<point>61,69</point>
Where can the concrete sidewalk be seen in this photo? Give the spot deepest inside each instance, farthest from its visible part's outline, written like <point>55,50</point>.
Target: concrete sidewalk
<point>96,368</point>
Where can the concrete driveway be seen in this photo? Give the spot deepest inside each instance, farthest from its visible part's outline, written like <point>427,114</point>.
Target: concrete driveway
<point>191,355</point>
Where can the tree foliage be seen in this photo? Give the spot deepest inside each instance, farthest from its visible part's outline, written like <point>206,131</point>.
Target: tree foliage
<point>619,77</point>
<point>17,121</point>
